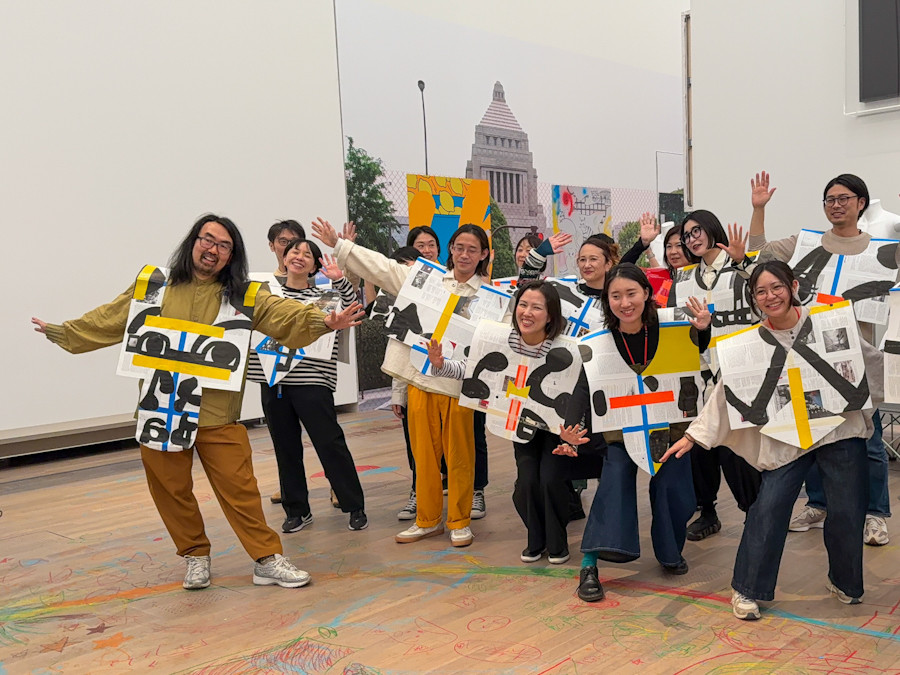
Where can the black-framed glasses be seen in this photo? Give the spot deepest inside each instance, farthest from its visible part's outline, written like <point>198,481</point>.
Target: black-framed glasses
<point>693,233</point>
<point>840,200</point>
<point>207,243</point>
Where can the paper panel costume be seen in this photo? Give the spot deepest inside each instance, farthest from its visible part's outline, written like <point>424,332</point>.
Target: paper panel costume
<point>864,278</point>
<point>276,359</point>
<point>177,359</point>
<point>519,394</point>
<point>796,396</point>
<point>643,406</point>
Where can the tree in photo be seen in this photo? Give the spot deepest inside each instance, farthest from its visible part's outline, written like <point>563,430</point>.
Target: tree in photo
<point>629,234</point>
<point>504,256</point>
<point>367,204</point>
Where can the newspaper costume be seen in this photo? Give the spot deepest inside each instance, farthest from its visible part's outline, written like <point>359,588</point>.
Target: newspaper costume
<point>177,359</point>
<point>643,405</point>
<point>519,393</point>
<point>796,396</point>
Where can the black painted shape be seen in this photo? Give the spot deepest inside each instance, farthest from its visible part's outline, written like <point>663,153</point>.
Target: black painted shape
<point>402,321</point>
<point>651,383</point>
<point>566,294</point>
<point>586,353</point>
<point>529,423</point>
<point>556,361</point>
<point>887,255</point>
<point>855,396</point>
<point>165,383</point>
<point>869,289</point>
<point>892,347</point>
<point>141,317</point>
<point>659,443</point>
<point>473,387</point>
<point>755,412</point>
<point>186,394</point>
<point>183,436</point>
<point>599,400</point>
<point>808,270</point>
<point>688,396</point>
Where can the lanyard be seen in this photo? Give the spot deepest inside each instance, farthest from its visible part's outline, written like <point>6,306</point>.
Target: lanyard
<point>625,342</point>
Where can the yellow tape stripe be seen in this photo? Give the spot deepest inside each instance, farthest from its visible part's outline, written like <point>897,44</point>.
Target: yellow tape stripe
<point>187,326</point>
<point>715,340</point>
<point>140,286</point>
<point>825,308</point>
<point>179,367</point>
<point>250,295</point>
<point>798,401</point>
<point>445,317</point>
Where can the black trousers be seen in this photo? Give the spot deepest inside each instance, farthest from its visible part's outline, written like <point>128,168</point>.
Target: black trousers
<point>742,479</point>
<point>542,494</point>
<point>287,408</point>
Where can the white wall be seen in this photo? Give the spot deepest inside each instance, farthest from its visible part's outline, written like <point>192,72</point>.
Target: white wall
<point>769,93</point>
<point>122,122</point>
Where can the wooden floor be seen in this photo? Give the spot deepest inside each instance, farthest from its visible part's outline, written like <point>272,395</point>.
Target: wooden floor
<point>89,583</point>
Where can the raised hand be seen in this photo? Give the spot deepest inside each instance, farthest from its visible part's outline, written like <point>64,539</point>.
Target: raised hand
<point>702,318</point>
<point>323,231</point>
<point>330,267</point>
<point>565,449</point>
<point>573,435</point>
<point>760,194</point>
<point>349,232</point>
<point>679,448</point>
<point>650,229</point>
<point>39,326</point>
<point>737,243</point>
<point>351,316</point>
<point>560,240</point>
<point>435,354</point>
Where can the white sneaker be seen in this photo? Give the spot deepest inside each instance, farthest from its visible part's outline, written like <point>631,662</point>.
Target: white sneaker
<point>408,512</point>
<point>478,507</point>
<point>279,570</point>
<point>197,574</point>
<point>743,607</point>
<point>461,537</point>
<point>843,597</point>
<point>875,532</point>
<point>414,533</point>
<point>809,517</point>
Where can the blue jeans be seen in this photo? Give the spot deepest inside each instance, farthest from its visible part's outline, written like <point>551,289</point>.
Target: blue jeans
<point>843,468</point>
<point>879,496</point>
<point>612,527</point>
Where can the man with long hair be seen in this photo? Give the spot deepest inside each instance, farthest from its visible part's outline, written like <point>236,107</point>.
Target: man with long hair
<point>206,272</point>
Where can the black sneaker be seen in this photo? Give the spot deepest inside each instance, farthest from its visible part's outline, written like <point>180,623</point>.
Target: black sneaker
<point>706,525</point>
<point>296,523</point>
<point>358,520</point>
<point>589,588</point>
<point>680,568</point>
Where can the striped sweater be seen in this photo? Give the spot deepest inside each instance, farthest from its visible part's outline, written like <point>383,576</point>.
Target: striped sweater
<point>309,372</point>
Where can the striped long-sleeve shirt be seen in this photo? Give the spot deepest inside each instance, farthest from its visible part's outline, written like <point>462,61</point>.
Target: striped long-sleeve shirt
<point>309,371</point>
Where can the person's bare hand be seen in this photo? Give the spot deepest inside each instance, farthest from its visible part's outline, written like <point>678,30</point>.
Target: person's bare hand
<point>39,326</point>
<point>760,194</point>
<point>650,229</point>
<point>678,448</point>
<point>737,243</point>
<point>397,409</point>
<point>324,231</point>
<point>346,318</point>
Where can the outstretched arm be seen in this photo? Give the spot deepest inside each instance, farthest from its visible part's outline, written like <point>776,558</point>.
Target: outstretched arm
<point>101,327</point>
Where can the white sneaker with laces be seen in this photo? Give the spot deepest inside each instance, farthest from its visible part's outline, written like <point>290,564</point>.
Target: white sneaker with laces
<point>414,533</point>
<point>875,532</point>
<point>478,506</point>
<point>840,595</point>
<point>197,574</point>
<point>280,571</point>
<point>743,607</point>
<point>809,517</point>
<point>461,537</point>
<point>408,512</point>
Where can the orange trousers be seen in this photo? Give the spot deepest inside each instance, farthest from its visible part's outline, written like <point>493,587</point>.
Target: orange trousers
<point>225,454</point>
<point>439,426</point>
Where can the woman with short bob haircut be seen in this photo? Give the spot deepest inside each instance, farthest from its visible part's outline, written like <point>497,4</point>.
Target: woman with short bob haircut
<point>840,456</point>
<point>425,241</point>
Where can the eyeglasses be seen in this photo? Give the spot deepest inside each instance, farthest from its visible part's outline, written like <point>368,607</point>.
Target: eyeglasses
<point>775,289</point>
<point>284,241</point>
<point>207,243</point>
<point>841,200</point>
<point>471,250</point>
<point>693,233</point>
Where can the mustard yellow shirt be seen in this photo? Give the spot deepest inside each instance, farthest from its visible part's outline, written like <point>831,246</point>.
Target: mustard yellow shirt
<point>292,323</point>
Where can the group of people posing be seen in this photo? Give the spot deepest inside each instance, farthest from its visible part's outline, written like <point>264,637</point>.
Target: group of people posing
<point>710,289</point>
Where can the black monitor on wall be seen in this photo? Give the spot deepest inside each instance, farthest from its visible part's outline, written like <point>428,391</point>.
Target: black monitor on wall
<point>879,49</point>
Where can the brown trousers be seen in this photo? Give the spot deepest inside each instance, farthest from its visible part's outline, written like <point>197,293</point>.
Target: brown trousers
<point>225,454</point>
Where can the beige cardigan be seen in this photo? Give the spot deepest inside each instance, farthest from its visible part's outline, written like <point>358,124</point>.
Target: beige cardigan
<point>390,275</point>
<point>712,428</point>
